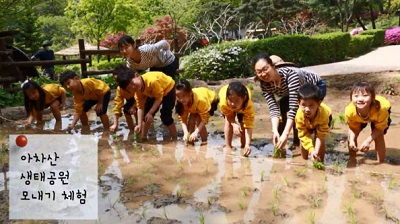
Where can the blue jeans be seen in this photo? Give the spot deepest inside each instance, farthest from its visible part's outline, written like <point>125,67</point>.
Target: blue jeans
<point>322,86</point>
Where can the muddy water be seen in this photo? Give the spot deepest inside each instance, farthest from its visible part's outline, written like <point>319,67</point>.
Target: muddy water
<point>170,182</point>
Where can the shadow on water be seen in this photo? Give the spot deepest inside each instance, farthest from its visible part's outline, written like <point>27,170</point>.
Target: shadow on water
<point>159,180</point>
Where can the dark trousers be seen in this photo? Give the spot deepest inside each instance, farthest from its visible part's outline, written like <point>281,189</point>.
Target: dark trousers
<point>284,108</point>
<point>170,69</point>
<point>167,107</point>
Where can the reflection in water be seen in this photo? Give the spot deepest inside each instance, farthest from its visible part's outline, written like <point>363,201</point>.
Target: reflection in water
<point>333,210</point>
<point>112,207</point>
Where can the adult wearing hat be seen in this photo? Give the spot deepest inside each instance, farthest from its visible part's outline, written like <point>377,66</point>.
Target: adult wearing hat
<point>46,54</point>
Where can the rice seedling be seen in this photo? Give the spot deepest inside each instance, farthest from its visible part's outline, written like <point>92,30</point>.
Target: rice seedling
<point>154,152</point>
<point>262,175</point>
<point>351,213</point>
<point>241,203</point>
<point>315,202</point>
<point>318,165</point>
<point>165,213</point>
<point>300,172</point>
<point>311,217</point>
<point>244,192</point>
<point>130,180</point>
<point>202,218</point>
<point>277,152</point>
<point>333,122</point>
<point>341,118</point>
<point>180,165</point>
<point>286,181</point>
<point>392,183</point>
<point>180,192</point>
<point>144,212</point>
<point>274,207</point>
<point>338,167</point>
<point>356,193</point>
<point>276,193</point>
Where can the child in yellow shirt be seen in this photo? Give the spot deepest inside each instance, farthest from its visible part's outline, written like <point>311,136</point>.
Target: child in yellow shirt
<point>235,100</point>
<point>37,98</point>
<point>200,103</point>
<point>87,93</point>
<point>121,97</point>
<point>365,107</point>
<point>313,117</point>
<point>152,89</point>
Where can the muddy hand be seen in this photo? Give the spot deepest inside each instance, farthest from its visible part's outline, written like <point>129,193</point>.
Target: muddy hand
<point>246,151</point>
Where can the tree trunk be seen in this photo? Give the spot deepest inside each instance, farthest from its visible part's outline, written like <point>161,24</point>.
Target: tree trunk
<point>360,21</point>
<point>371,11</point>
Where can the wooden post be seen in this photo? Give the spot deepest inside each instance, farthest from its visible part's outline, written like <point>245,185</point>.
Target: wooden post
<point>82,56</point>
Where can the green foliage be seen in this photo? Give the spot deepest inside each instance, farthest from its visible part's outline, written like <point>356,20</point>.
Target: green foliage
<point>10,99</point>
<point>109,79</point>
<point>215,62</point>
<point>106,65</point>
<point>360,44</point>
<point>378,34</point>
<point>328,48</point>
<point>234,59</point>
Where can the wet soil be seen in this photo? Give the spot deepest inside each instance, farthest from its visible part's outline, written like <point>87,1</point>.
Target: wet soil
<point>169,182</point>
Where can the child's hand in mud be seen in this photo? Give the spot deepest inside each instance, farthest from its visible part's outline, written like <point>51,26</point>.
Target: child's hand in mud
<point>237,130</point>
<point>138,128</point>
<point>353,146</point>
<point>315,156</point>
<point>365,146</point>
<point>99,107</point>
<point>246,151</point>
<point>70,127</point>
<point>148,118</point>
<point>193,137</point>
<point>113,127</point>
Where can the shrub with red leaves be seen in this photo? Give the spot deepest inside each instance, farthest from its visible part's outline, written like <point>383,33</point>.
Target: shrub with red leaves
<point>163,30</point>
<point>111,40</point>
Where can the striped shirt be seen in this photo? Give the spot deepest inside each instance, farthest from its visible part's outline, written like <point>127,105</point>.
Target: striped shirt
<point>291,80</point>
<point>153,55</point>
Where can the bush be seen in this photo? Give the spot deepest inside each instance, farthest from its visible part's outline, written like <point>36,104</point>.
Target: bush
<point>392,36</point>
<point>360,44</point>
<point>215,62</point>
<point>379,36</point>
<point>327,48</point>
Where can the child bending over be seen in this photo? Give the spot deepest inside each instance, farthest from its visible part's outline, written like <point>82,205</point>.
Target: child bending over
<point>37,98</point>
<point>200,103</point>
<point>366,107</point>
<point>87,93</point>
<point>236,101</point>
<point>313,117</point>
<point>152,89</point>
<point>121,97</point>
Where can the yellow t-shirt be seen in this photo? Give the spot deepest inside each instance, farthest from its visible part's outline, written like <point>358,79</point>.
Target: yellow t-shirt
<point>202,99</point>
<point>119,99</point>
<point>93,89</point>
<point>378,116</point>
<point>52,92</point>
<point>305,127</point>
<point>156,85</point>
<point>248,111</point>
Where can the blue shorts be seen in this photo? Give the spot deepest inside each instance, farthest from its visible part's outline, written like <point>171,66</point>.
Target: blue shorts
<point>88,104</point>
